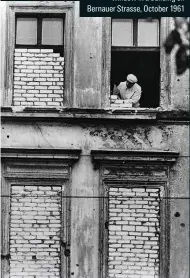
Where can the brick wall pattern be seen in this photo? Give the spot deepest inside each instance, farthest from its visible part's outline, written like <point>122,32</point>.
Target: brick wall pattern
<point>133,250</point>
<point>35,232</point>
<point>38,78</point>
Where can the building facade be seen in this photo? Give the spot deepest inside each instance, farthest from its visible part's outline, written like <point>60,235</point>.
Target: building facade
<point>91,188</point>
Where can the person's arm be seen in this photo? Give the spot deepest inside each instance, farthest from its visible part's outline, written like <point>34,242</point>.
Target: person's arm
<point>136,96</point>
<point>116,91</point>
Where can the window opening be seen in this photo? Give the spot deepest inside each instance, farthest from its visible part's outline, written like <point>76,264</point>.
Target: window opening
<point>136,50</point>
<point>39,64</point>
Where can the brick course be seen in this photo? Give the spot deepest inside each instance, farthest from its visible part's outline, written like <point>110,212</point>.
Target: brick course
<point>133,232</point>
<point>35,232</point>
<point>36,70</point>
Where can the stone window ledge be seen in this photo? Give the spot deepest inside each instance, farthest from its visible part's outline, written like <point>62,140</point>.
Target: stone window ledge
<point>144,114</point>
<point>62,112</point>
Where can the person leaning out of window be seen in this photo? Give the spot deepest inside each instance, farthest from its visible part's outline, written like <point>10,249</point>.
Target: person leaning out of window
<point>129,90</point>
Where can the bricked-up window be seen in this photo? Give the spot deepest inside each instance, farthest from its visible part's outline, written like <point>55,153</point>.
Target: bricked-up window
<point>35,231</point>
<point>136,49</point>
<point>39,54</point>
<point>39,63</point>
<point>134,232</point>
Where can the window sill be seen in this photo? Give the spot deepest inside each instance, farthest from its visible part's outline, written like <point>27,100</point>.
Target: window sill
<point>63,112</point>
<point>144,114</point>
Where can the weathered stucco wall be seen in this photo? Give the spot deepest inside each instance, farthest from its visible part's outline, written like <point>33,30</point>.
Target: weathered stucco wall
<point>101,136</point>
<point>87,60</point>
<point>85,179</point>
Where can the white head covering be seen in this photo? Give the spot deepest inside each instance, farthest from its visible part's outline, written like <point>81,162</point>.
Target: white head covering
<point>132,78</point>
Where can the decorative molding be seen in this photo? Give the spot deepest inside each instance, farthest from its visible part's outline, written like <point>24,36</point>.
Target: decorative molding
<point>69,155</point>
<point>122,156</point>
<point>134,168</point>
<point>44,167</point>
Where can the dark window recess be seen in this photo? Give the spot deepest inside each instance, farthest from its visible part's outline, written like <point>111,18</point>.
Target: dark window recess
<point>40,31</point>
<point>146,66</point>
<point>138,53</point>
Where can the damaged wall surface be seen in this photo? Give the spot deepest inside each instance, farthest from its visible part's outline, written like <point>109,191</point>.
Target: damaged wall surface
<point>85,179</point>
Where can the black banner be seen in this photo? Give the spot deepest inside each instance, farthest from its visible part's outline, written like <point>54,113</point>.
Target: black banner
<point>134,8</point>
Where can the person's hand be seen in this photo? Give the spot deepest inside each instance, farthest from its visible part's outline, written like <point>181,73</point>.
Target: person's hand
<point>128,101</point>
<point>115,90</point>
